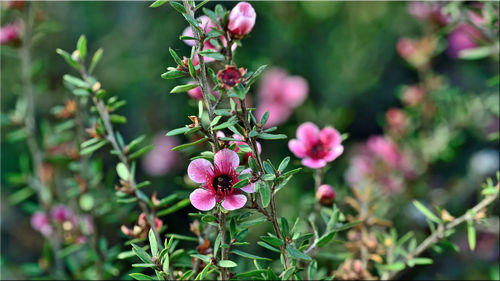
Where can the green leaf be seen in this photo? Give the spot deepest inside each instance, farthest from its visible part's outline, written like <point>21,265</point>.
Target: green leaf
<point>77,82</point>
<point>183,88</point>
<point>184,146</point>
<point>141,151</point>
<point>81,46</point>
<point>426,212</point>
<point>21,195</point>
<point>192,70</point>
<point>475,53</point>
<point>347,225</point>
<point>284,164</point>
<point>177,206</point>
<point>272,240</point>
<point>201,4</point>
<point>248,256</point>
<point>254,76</point>
<point>178,7</point>
<point>115,118</point>
<point>158,3</point>
<point>296,254</point>
<point>174,55</point>
<point>267,136</point>
<point>264,118</point>
<point>241,183</point>
<point>217,244</point>
<point>265,196</point>
<point>69,60</point>
<point>422,261</point>
<point>227,263</point>
<point>173,73</point>
<point>95,59</point>
<point>208,218</point>
<point>267,246</point>
<point>192,22</point>
<point>471,234</point>
<point>91,149</point>
<point>204,258</point>
<point>177,131</point>
<point>397,266</point>
<point>325,239</point>
<point>153,243</point>
<point>251,273</point>
<point>212,54</point>
<point>145,257</point>
<point>215,121</point>
<point>140,276</point>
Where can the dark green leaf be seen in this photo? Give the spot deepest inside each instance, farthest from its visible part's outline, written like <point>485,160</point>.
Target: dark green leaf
<point>183,88</point>
<point>184,146</point>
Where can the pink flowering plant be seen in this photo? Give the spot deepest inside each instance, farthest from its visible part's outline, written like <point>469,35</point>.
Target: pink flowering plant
<point>94,196</point>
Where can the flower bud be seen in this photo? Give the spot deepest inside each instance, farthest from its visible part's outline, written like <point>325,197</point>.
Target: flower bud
<point>10,34</point>
<point>241,19</point>
<point>325,194</point>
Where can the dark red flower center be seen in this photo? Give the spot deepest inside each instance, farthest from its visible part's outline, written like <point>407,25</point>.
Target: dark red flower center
<point>221,181</point>
<point>231,77</point>
<point>318,151</point>
<point>223,184</point>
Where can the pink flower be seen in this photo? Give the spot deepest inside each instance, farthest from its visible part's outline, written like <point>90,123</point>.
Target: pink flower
<point>41,223</point>
<point>217,182</point>
<point>280,94</point>
<point>62,213</point>
<point>430,11</point>
<point>316,147</point>
<point>406,47</point>
<point>413,95</point>
<point>396,119</point>
<point>10,34</point>
<point>463,37</point>
<point>161,159</point>
<point>241,19</point>
<point>197,94</point>
<point>385,149</point>
<point>325,194</point>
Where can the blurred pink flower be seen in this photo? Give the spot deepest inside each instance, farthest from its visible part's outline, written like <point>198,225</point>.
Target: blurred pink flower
<point>62,213</point>
<point>385,149</point>
<point>161,159</point>
<point>10,33</point>
<point>429,11</point>
<point>406,47</point>
<point>463,37</point>
<point>315,147</point>
<point>40,222</point>
<point>241,19</point>
<point>325,194</point>
<point>280,94</point>
<point>413,95</point>
<point>217,182</point>
<point>396,119</point>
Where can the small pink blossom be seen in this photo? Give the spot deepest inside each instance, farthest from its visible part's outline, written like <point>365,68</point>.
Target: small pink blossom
<point>241,19</point>
<point>10,33</point>
<point>40,222</point>
<point>161,159</point>
<point>396,119</point>
<point>463,37</point>
<point>280,94</point>
<point>62,213</point>
<point>217,182</point>
<point>325,194</point>
<point>406,47</point>
<point>315,147</point>
<point>413,95</point>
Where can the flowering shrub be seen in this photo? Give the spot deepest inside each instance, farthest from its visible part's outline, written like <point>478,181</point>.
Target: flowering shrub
<point>101,217</point>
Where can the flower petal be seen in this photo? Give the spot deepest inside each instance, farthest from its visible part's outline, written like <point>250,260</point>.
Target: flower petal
<point>308,134</point>
<point>334,153</point>
<point>251,187</point>
<point>313,163</point>
<point>297,148</point>
<point>198,169</point>
<point>202,199</point>
<point>234,201</point>
<point>226,157</point>
<point>330,137</point>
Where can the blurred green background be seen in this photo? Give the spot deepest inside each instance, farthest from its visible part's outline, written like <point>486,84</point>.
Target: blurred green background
<point>345,50</point>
